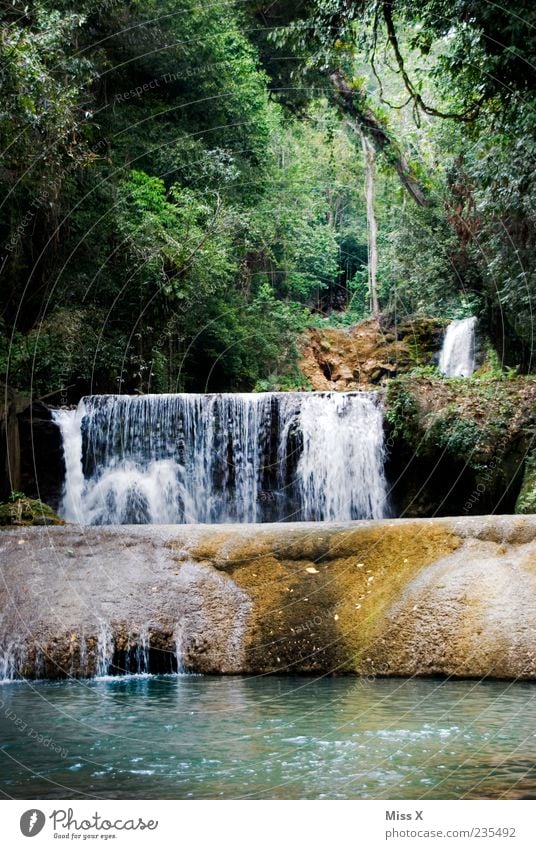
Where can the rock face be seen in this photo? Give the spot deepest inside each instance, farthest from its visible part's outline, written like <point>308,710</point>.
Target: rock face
<point>460,447</point>
<point>403,597</point>
<point>31,453</point>
<point>342,359</point>
<point>526,501</point>
<point>42,464</point>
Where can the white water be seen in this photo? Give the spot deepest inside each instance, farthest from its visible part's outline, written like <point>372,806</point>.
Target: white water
<point>12,658</point>
<point>69,423</point>
<point>223,458</point>
<point>105,649</point>
<point>135,658</point>
<point>340,470</point>
<point>457,358</point>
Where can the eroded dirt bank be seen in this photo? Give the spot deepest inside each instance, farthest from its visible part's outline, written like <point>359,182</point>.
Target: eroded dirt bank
<point>434,596</point>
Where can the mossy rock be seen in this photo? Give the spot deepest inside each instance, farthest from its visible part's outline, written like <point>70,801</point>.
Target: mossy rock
<point>471,419</point>
<point>28,511</point>
<point>526,502</point>
<point>458,445</point>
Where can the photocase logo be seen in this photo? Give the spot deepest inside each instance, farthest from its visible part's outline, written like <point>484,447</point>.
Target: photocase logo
<point>31,822</point>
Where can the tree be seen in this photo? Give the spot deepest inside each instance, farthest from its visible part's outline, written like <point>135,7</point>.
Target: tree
<point>372,227</point>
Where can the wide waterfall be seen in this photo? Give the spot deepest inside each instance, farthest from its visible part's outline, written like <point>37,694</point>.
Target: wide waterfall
<point>191,458</point>
<point>457,358</point>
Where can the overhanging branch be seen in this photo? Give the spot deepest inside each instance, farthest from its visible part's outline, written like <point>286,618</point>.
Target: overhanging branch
<point>468,115</point>
<point>365,121</point>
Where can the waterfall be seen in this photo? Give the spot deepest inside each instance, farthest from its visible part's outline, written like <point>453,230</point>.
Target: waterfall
<point>340,470</point>
<point>457,358</point>
<point>69,423</point>
<point>223,458</point>
<point>12,658</point>
<point>105,649</point>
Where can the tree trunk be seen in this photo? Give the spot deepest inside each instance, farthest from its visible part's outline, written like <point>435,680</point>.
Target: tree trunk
<point>372,227</point>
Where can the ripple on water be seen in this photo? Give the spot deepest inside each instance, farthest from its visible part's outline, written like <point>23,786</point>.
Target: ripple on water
<point>271,738</point>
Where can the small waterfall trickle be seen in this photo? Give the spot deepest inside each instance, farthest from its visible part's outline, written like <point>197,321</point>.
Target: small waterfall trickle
<point>12,658</point>
<point>17,656</point>
<point>178,639</point>
<point>192,458</point>
<point>142,659</point>
<point>101,653</point>
<point>136,656</point>
<point>104,649</point>
<point>457,358</point>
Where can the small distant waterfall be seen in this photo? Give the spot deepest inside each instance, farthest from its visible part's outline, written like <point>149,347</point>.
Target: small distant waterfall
<point>223,458</point>
<point>457,358</point>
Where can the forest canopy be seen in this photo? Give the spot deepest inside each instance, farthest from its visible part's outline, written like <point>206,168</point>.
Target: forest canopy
<point>183,183</point>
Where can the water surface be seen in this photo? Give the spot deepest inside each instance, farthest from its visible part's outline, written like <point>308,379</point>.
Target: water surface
<point>267,737</point>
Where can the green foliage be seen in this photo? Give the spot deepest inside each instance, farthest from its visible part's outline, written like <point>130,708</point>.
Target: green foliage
<point>526,502</point>
<point>300,234</point>
<point>454,89</point>
<point>190,226</point>
<point>16,495</point>
<point>458,436</point>
<point>492,369</point>
<point>183,191</point>
<point>238,348</point>
<point>402,412</point>
<point>21,510</point>
<point>424,371</point>
<point>283,383</point>
<point>41,123</point>
<point>182,245</point>
<point>61,352</point>
<point>470,420</point>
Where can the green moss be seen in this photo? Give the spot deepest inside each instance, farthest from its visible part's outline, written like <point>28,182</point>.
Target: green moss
<point>526,502</point>
<point>20,510</point>
<point>471,419</point>
<point>419,350</point>
<point>401,410</point>
<point>491,365</point>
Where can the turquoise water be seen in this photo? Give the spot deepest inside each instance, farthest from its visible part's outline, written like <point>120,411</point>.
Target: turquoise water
<point>266,737</point>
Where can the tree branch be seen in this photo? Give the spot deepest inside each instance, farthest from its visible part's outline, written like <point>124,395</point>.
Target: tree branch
<point>365,121</point>
<point>469,113</point>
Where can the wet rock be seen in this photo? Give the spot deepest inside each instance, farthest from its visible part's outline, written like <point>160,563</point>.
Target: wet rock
<point>459,447</point>
<point>31,454</point>
<point>392,597</point>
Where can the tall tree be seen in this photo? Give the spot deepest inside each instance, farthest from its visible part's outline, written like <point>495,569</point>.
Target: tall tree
<point>372,226</point>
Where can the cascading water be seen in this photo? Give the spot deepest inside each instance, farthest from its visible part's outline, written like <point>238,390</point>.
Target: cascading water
<point>457,358</point>
<point>105,649</point>
<point>12,658</point>
<point>223,458</point>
